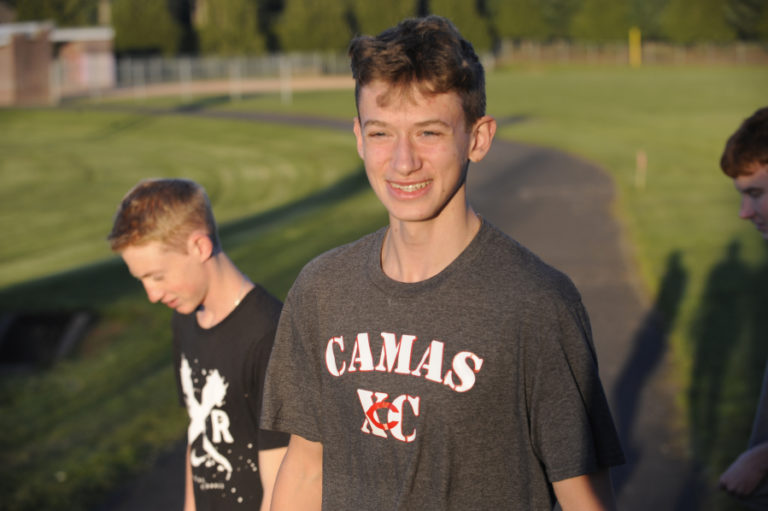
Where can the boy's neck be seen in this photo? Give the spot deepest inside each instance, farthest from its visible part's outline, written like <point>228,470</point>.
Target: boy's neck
<point>417,251</point>
<point>227,287</point>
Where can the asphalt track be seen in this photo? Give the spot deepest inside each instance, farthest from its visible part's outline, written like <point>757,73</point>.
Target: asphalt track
<point>561,208</point>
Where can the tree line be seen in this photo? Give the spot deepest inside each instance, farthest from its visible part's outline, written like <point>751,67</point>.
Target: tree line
<point>252,27</point>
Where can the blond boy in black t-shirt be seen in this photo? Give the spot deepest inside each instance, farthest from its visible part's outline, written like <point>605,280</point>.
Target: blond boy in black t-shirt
<point>223,330</point>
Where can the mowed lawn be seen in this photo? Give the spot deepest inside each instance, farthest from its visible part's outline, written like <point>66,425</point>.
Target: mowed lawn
<point>63,173</point>
<point>282,195</point>
<point>703,269</point>
<point>286,193</point>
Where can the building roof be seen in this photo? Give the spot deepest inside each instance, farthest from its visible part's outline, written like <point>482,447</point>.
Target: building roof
<point>83,34</point>
<point>29,29</point>
<point>57,35</point>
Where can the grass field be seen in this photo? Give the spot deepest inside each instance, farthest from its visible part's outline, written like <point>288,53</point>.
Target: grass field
<point>284,194</point>
<point>64,172</point>
<point>680,118</point>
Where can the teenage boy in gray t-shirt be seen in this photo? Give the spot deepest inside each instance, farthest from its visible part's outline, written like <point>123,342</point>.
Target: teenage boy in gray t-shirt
<point>436,363</point>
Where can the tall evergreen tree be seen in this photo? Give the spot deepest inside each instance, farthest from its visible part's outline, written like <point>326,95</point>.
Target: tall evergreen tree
<point>181,11</point>
<point>472,24</point>
<point>370,18</point>
<point>228,27</point>
<point>601,21</point>
<point>518,19</point>
<point>144,26</point>
<point>309,25</point>
<point>697,21</point>
<point>269,13</point>
<point>65,13</point>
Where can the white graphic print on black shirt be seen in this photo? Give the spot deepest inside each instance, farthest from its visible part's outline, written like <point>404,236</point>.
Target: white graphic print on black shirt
<point>211,396</point>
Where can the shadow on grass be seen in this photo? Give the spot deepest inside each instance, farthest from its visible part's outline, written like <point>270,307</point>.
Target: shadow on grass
<point>205,108</point>
<point>95,285</point>
<point>729,355</point>
<point>203,103</point>
<point>648,348</point>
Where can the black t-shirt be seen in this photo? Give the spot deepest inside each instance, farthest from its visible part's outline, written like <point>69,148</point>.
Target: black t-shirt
<point>220,375</point>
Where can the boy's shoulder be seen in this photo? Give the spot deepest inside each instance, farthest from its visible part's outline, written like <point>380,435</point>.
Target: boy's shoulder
<point>509,264</point>
<point>350,258</point>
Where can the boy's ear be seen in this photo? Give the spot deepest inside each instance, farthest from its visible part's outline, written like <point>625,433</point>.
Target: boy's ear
<point>358,130</point>
<point>482,135</point>
<point>200,245</point>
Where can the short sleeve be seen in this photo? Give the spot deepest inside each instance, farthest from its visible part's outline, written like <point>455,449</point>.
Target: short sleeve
<point>572,428</point>
<point>292,390</point>
<point>259,359</point>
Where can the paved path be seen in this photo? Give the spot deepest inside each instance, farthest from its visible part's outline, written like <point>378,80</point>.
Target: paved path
<point>561,208</point>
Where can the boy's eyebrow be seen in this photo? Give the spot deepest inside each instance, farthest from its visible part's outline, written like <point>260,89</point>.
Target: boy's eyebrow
<point>743,188</point>
<point>432,121</point>
<point>146,274</point>
<point>420,124</point>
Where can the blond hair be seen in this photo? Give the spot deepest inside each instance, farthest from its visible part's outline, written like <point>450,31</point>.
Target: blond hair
<point>164,210</point>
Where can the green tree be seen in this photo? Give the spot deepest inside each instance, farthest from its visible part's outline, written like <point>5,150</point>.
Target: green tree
<point>181,12</point>
<point>600,21</point>
<point>144,26</point>
<point>228,27</point>
<point>66,13</point>
<point>308,25</point>
<point>370,18</point>
<point>269,13</point>
<point>472,23</point>
<point>761,26</point>
<point>697,21</point>
<point>518,19</point>
<point>744,16</point>
<point>646,15</point>
<point>558,15</point>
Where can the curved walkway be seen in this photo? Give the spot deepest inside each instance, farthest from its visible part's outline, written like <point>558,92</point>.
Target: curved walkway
<point>561,208</point>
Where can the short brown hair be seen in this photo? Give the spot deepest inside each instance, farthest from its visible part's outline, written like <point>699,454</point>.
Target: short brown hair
<point>747,146</point>
<point>427,52</point>
<point>165,210</point>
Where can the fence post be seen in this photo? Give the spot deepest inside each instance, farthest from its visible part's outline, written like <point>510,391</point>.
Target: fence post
<point>286,92</point>
<point>137,79</point>
<point>635,47</point>
<point>185,76</point>
<point>235,79</point>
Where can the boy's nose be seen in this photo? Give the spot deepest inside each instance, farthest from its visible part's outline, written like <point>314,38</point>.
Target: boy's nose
<point>153,294</point>
<point>746,211</point>
<point>405,159</point>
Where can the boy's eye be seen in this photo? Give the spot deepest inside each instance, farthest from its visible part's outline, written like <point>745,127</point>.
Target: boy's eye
<point>431,133</point>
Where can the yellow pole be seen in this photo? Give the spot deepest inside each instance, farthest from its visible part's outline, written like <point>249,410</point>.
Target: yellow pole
<point>635,47</point>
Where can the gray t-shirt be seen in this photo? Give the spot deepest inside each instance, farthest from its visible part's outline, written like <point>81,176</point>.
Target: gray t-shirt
<point>474,389</point>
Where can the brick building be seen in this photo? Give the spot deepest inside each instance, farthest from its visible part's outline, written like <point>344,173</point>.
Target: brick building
<point>39,63</point>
